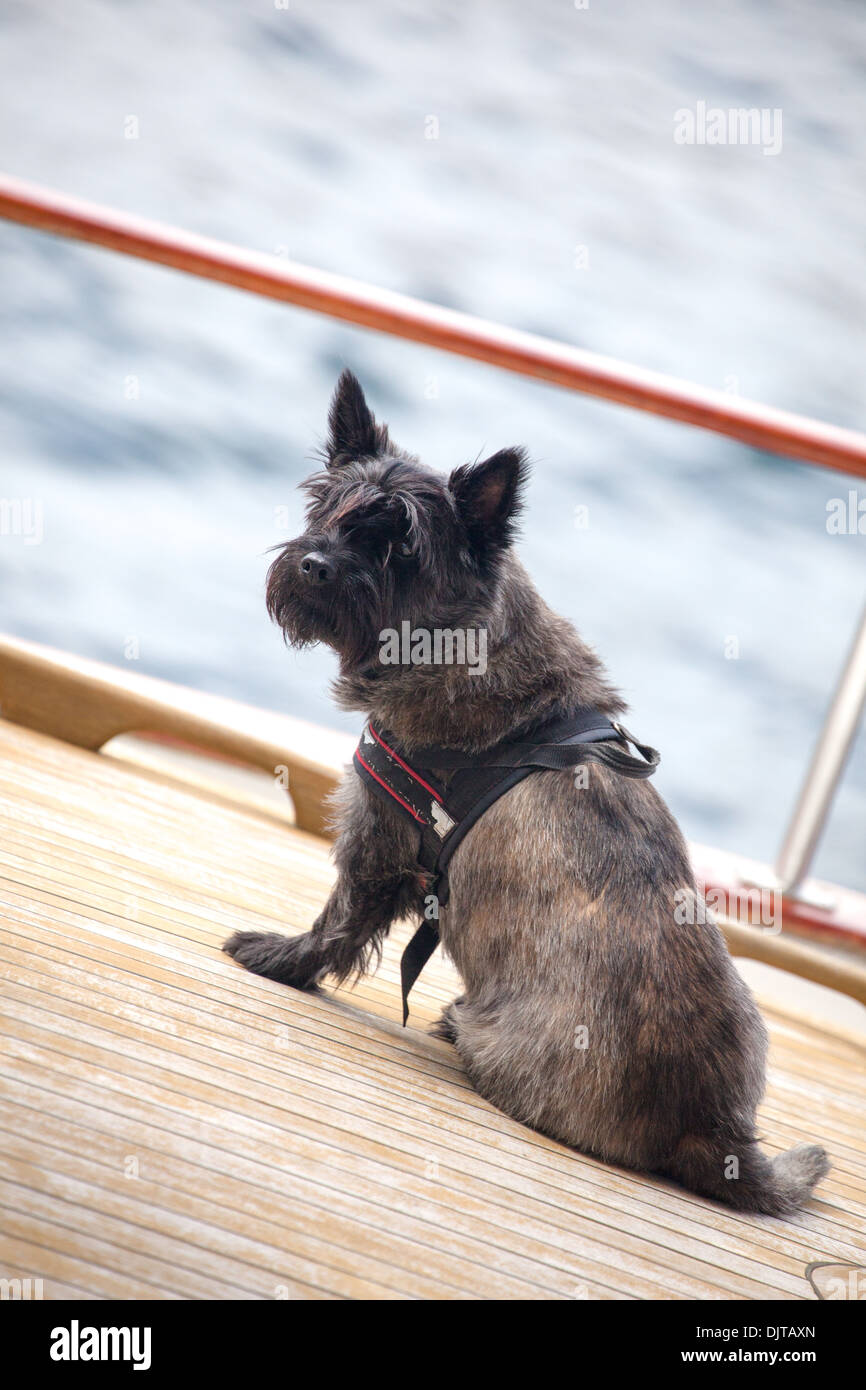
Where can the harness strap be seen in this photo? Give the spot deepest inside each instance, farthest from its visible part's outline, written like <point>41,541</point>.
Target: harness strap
<point>414,958</point>
<point>444,813</point>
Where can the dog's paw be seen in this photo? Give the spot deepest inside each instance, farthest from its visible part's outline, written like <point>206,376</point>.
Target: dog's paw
<point>292,960</point>
<point>242,945</point>
<point>447,1024</point>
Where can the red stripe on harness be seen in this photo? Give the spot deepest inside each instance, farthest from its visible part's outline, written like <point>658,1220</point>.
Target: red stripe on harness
<point>405,766</point>
<point>390,790</point>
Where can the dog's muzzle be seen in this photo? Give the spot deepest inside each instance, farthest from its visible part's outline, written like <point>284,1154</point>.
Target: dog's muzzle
<point>316,569</point>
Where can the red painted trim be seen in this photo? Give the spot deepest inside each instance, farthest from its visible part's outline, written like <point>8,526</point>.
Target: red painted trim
<point>352,301</point>
<point>389,790</point>
<point>719,871</point>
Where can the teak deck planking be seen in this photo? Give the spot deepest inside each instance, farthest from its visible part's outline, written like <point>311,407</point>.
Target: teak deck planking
<point>173,1127</point>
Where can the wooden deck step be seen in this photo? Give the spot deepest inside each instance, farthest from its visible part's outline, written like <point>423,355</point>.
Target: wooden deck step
<point>172,1127</point>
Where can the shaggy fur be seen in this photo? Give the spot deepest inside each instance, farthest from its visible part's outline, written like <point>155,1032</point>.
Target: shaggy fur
<point>589,1013</point>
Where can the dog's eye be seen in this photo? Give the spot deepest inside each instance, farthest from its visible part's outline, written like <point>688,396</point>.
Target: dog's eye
<point>405,549</point>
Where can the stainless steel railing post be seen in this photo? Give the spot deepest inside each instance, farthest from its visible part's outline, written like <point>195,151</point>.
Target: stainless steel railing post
<point>828,761</point>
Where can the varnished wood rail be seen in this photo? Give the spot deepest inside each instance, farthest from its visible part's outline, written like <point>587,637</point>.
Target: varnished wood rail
<point>86,703</point>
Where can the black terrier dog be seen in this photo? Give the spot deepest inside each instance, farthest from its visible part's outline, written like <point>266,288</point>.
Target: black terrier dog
<point>590,1012</point>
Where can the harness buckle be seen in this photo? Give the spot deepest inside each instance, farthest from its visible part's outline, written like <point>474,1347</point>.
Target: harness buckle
<point>442,822</point>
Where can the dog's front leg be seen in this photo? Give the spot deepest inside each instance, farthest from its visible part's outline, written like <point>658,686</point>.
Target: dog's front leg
<point>377,882</point>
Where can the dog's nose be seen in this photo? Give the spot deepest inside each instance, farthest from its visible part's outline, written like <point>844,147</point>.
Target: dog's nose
<point>316,568</point>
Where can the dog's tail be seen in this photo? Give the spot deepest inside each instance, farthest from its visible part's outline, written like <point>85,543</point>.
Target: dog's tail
<point>742,1176</point>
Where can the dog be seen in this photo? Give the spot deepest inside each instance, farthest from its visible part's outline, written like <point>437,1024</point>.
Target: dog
<point>590,1012</point>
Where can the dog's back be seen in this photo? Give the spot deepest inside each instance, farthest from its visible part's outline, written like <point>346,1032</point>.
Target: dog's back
<point>599,1009</point>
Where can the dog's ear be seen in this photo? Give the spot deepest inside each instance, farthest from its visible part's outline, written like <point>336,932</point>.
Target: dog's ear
<point>352,429</point>
<point>489,497</point>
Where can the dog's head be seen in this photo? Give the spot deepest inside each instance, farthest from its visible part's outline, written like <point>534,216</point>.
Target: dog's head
<point>389,540</point>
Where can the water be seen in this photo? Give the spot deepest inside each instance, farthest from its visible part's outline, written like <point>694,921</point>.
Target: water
<point>162,424</point>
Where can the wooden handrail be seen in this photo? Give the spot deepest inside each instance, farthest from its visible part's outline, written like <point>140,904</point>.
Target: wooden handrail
<point>86,703</point>
<point>832,971</point>
<point>760,426</point>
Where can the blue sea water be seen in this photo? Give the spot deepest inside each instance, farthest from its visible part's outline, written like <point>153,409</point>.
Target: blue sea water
<point>161,425</point>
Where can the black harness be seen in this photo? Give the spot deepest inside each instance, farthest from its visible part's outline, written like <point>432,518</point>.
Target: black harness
<point>445,813</point>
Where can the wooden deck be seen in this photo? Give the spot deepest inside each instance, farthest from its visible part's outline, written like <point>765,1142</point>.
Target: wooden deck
<point>172,1127</point>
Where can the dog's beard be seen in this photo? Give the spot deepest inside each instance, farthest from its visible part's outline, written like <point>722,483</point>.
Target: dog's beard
<point>346,616</point>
